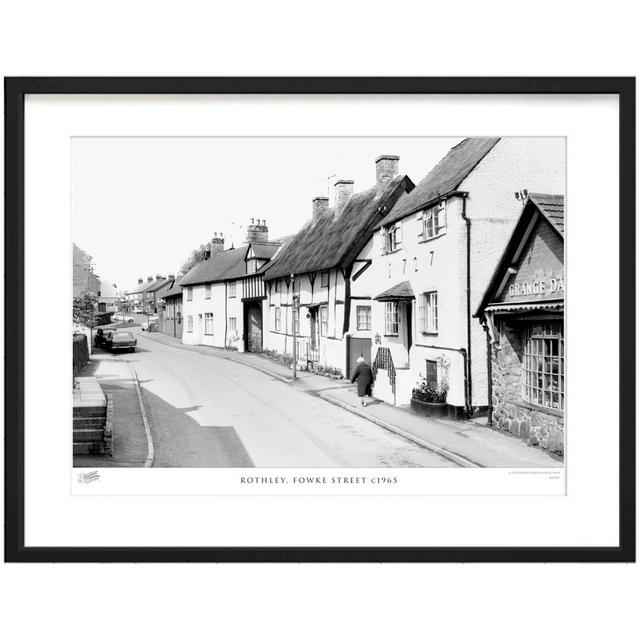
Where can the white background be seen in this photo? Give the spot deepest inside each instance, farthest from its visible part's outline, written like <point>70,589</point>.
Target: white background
<point>159,38</point>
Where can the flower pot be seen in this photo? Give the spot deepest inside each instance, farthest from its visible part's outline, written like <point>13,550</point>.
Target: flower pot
<point>430,409</point>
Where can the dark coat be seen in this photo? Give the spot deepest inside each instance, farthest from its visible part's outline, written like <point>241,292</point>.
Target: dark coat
<point>364,376</point>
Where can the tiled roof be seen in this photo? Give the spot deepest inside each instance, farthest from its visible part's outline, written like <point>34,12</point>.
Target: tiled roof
<point>156,285</point>
<point>174,290</point>
<point>552,207</point>
<point>140,288</point>
<point>403,290</point>
<point>226,265</point>
<point>444,178</point>
<point>333,241</point>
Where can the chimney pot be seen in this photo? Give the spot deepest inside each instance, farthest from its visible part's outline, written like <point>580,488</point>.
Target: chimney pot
<point>343,190</point>
<point>387,168</point>
<point>140,280</point>
<point>149,278</point>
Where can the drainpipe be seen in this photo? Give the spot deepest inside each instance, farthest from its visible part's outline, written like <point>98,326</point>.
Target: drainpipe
<point>469,388</point>
<point>225,314</point>
<point>489,378</point>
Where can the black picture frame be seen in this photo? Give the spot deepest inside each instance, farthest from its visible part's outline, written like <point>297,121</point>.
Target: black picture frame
<point>15,91</point>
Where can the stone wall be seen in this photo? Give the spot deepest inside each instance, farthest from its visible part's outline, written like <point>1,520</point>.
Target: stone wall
<point>80,352</point>
<point>509,412</point>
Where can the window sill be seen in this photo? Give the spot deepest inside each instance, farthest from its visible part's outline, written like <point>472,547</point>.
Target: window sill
<point>425,240</point>
<point>429,333</point>
<point>390,335</point>
<point>525,404</point>
<point>388,253</point>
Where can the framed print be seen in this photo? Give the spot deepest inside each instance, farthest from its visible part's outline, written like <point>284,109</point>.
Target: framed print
<point>320,319</point>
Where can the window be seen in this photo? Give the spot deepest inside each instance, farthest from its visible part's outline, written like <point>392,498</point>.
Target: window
<point>190,324</point>
<point>391,318</point>
<point>543,365</point>
<point>189,293</point>
<point>207,291</point>
<point>324,321</point>
<point>232,289</point>
<point>277,312</point>
<point>429,312</point>
<point>324,279</point>
<point>393,238</point>
<point>434,221</point>
<point>296,320</point>
<point>363,318</point>
<point>232,325</point>
<point>252,265</point>
<point>208,324</point>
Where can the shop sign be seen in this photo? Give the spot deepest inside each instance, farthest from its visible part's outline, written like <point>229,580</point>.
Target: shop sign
<point>549,286</point>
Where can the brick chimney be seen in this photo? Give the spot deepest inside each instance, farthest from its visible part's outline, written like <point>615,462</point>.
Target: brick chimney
<point>343,191</point>
<point>257,231</point>
<point>149,278</point>
<point>217,245</point>
<point>159,277</point>
<point>140,280</point>
<point>319,205</point>
<point>387,168</point>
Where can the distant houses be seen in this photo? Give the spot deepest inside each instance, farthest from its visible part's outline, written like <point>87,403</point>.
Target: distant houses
<point>395,273</point>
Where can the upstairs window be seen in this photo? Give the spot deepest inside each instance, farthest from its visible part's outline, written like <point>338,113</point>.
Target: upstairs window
<point>232,289</point>
<point>189,293</point>
<point>324,279</point>
<point>434,221</point>
<point>391,319</point>
<point>252,265</point>
<point>207,291</point>
<point>393,238</point>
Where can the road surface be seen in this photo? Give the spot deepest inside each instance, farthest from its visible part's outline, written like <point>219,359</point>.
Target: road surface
<point>207,411</point>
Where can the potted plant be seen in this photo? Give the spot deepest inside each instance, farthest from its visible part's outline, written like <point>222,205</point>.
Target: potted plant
<point>430,398</point>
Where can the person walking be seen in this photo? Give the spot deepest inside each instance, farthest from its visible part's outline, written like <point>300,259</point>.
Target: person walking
<point>364,376</point>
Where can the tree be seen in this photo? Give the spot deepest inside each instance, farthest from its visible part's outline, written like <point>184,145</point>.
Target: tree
<point>84,309</point>
<point>197,255</point>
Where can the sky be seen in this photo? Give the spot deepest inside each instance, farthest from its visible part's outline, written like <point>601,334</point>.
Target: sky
<point>140,205</point>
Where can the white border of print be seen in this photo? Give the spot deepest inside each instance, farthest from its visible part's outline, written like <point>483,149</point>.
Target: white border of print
<point>53,516</point>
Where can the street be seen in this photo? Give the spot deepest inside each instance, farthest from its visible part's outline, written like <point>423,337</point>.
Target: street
<point>207,411</point>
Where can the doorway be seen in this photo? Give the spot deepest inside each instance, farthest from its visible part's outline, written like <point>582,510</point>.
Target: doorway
<point>253,326</point>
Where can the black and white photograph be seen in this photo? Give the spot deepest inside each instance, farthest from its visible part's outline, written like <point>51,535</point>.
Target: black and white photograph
<point>318,302</point>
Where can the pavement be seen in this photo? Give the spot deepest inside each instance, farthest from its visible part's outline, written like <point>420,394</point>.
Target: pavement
<point>463,443</point>
<point>130,447</point>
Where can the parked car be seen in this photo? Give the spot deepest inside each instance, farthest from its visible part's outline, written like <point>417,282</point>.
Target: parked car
<point>118,340</point>
<point>151,324</point>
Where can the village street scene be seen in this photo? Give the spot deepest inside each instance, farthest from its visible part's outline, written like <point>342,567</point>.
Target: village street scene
<point>408,321</point>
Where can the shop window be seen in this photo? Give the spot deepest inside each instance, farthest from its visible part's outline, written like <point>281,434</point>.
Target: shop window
<point>189,324</point>
<point>207,291</point>
<point>277,318</point>
<point>363,318</point>
<point>324,321</point>
<point>391,318</point>
<point>543,365</point>
<point>208,324</point>
<point>428,312</point>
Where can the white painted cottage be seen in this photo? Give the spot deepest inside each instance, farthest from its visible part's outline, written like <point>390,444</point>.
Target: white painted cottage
<point>427,265</point>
